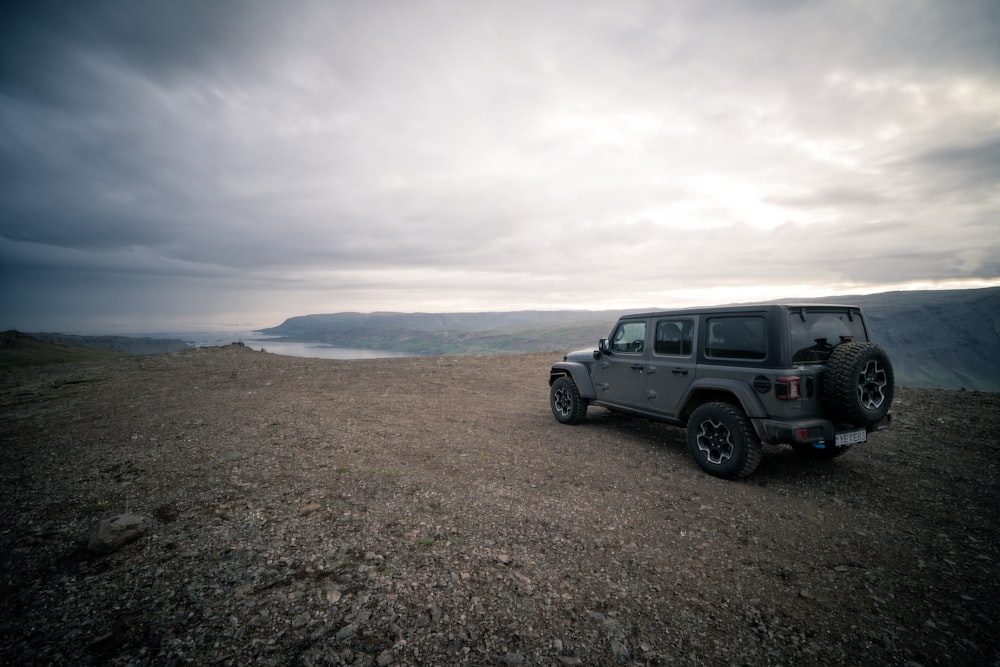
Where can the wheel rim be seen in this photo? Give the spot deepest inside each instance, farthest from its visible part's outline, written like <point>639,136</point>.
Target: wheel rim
<point>562,401</point>
<point>872,382</point>
<point>715,441</point>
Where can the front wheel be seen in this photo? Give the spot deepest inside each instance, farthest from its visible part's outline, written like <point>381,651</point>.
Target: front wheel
<point>567,405</point>
<point>722,441</point>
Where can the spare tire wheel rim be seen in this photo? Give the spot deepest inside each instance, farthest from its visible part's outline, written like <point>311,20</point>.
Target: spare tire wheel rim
<point>871,385</point>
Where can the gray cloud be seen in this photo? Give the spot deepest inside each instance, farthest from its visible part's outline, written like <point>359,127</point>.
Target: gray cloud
<point>316,156</point>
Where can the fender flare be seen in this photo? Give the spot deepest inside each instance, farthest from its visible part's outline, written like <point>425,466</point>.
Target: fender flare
<point>746,395</point>
<point>580,374</point>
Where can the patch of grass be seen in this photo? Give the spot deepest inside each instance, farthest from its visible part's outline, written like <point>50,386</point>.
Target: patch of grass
<point>20,350</point>
<point>342,470</point>
<point>425,541</point>
<point>483,456</point>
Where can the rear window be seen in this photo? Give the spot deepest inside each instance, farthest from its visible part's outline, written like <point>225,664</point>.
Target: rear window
<point>816,332</point>
<point>736,338</point>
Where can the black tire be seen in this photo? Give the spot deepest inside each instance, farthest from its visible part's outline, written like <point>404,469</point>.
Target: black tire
<point>567,405</point>
<point>722,441</point>
<point>858,384</point>
<point>808,451</point>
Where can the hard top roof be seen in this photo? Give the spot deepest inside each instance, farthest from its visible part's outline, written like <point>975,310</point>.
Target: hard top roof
<point>745,307</point>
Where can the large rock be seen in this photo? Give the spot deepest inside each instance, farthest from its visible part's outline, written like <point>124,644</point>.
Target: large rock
<point>113,533</point>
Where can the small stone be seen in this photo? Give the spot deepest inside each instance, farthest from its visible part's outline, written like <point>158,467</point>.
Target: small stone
<point>113,533</point>
<point>309,509</point>
<point>384,658</point>
<point>346,632</point>
<point>621,653</point>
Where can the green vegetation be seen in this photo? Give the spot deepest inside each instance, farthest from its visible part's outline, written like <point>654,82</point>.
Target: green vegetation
<point>18,350</point>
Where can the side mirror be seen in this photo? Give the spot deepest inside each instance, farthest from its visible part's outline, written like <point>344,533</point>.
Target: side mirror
<point>603,347</point>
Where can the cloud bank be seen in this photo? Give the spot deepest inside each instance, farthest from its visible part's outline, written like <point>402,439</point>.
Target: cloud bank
<point>178,162</point>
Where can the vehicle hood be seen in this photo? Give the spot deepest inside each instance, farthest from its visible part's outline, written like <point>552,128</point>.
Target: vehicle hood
<point>586,354</point>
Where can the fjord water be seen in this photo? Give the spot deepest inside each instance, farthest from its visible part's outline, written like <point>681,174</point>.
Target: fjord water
<point>271,344</point>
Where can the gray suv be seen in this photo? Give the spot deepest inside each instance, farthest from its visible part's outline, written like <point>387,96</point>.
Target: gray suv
<point>737,377</point>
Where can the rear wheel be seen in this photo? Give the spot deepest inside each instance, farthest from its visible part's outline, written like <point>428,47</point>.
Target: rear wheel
<point>567,405</point>
<point>722,441</point>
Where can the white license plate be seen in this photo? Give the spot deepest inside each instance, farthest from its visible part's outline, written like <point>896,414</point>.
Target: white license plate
<point>851,437</point>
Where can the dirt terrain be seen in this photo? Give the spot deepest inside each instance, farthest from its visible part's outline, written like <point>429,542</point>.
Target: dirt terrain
<point>432,511</point>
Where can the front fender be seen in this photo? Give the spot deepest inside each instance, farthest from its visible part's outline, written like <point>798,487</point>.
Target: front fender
<point>580,374</point>
<point>744,393</point>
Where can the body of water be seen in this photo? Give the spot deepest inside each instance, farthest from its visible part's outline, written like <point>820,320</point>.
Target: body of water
<point>257,341</point>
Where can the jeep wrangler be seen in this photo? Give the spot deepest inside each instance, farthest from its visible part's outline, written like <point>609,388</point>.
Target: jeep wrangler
<point>737,377</point>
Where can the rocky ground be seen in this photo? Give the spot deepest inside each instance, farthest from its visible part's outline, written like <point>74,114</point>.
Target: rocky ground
<point>432,511</point>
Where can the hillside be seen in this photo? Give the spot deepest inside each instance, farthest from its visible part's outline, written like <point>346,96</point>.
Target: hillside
<point>18,350</point>
<point>945,339</point>
<point>125,344</point>
<point>937,339</point>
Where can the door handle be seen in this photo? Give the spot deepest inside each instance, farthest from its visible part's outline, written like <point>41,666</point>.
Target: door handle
<point>637,367</point>
<point>680,371</point>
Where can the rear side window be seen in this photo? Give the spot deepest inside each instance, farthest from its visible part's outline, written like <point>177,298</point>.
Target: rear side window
<point>741,337</point>
<point>674,337</point>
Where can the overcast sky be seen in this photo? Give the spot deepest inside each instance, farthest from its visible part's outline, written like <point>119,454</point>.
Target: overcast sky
<point>169,165</point>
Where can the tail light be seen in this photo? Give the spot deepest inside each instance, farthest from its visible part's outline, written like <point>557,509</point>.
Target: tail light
<point>788,388</point>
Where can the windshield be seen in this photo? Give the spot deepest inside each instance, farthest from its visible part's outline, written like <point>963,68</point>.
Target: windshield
<point>815,332</point>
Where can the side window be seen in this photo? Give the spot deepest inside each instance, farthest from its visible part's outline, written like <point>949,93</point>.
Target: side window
<point>736,338</point>
<point>674,337</point>
<point>629,337</point>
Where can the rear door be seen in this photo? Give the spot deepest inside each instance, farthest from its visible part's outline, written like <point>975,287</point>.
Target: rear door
<point>620,376</point>
<point>671,366</point>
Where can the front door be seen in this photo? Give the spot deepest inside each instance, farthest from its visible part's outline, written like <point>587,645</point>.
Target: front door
<point>620,375</point>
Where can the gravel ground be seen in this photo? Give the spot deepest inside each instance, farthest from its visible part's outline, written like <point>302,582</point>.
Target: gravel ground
<point>432,511</point>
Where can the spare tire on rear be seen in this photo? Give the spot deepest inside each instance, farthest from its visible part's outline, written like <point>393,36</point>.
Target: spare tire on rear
<point>858,383</point>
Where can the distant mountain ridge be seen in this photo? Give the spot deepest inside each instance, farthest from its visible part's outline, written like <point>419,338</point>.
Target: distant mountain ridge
<point>947,339</point>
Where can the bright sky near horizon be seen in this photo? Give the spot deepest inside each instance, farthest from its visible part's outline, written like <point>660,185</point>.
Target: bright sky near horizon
<point>170,165</point>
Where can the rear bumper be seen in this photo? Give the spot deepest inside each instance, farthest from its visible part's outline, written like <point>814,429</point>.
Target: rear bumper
<point>807,431</point>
